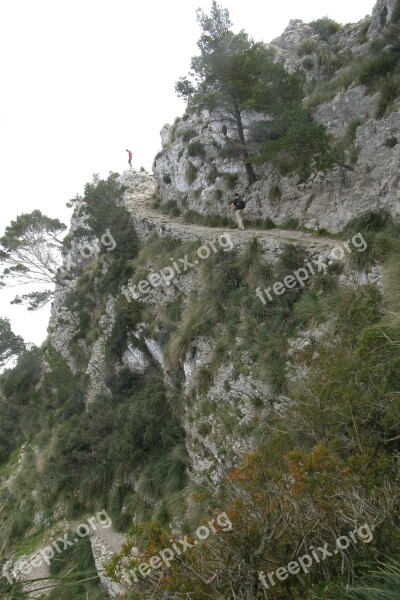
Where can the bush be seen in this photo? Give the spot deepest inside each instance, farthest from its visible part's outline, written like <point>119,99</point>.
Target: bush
<point>390,90</point>
<point>212,174</point>
<point>328,60</point>
<point>396,12</point>
<point>188,134</point>
<point>377,67</point>
<point>377,229</point>
<point>325,27</point>
<point>275,193</point>
<point>75,573</point>
<point>191,173</point>
<point>352,129</point>
<point>362,38</point>
<point>391,142</point>
<point>307,47</point>
<point>231,180</point>
<point>167,178</point>
<point>171,208</point>
<point>308,63</point>
<point>232,149</point>
<point>369,222</point>
<point>196,148</point>
<point>324,92</point>
<point>383,584</point>
<point>128,315</point>
<point>191,216</point>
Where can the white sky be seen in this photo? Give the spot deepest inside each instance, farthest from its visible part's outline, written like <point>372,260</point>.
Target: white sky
<point>82,80</point>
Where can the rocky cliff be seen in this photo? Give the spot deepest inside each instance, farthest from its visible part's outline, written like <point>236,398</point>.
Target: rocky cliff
<point>326,200</point>
<point>178,350</point>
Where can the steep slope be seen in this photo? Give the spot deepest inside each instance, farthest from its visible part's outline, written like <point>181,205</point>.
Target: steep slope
<point>197,376</point>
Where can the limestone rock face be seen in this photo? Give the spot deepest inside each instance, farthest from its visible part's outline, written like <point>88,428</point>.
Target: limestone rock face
<point>381,16</point>
<point>199,170</point>
<point>105,543</point>
<point>328,200</point>
<point>346,107</point>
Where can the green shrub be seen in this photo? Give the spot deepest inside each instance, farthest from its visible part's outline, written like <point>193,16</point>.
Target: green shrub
<point>382,584</point>
<point>396,12</point>
<point>260,223</point>
<point>74,573</point>
<point>369,222</point>
<point>127,316</point>
<point>307,47</point>
<point>105,211</point>
<point>352,129</point>
<point>328,60</point>
<point>20,522</point>
<point>374,226</point>
<point>167,178</point>
<point>171,208</point>
<point>291,258</point>
<point>196,148</point>
<point>174,129</point>
<point>218,194</point>
<point>275,193</point>
<point>390,91</point>
<point>291,224</point>
<point>191,216</point>
<point>325,27</point>
<point>308,63</point>
<point>377,67</point>
<point>391,142</point>
<point>232,149</point>
<point>363,38</point>
<point>191,173</point>
<point>309,310</point>
<point>188,134</point>
<point>324,92</point>
<point>212,174</point>
<point>231,180</point>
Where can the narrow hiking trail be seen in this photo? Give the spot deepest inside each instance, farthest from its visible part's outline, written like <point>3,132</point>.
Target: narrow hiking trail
<point>139,201</point>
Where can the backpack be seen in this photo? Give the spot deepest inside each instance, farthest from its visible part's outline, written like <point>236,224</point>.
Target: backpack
<point>240,204</point>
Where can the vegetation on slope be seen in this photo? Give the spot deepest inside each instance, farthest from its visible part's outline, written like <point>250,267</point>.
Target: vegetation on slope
<point>325,463</point>
<point>234,74</point>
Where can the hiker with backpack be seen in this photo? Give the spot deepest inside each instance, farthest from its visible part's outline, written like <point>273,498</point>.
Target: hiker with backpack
<point>238,205</point>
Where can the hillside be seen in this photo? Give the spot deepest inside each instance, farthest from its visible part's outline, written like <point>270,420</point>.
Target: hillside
<point>215,412</point>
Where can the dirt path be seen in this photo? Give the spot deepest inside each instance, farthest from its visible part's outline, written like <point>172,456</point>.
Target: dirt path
<point>139,200</point>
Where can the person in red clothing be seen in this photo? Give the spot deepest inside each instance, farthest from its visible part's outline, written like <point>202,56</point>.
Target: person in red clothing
<point>130,158</point>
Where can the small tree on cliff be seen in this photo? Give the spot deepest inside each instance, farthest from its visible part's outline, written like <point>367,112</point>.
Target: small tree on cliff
<point>10,344</point>
<point>234,73</point>
<point>30,253</point>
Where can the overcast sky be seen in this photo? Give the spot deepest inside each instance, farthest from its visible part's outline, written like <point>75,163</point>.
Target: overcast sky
<point>84,80</point>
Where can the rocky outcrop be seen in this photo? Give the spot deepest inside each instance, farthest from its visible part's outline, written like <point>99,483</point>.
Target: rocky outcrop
<point>326,201</point>
<point>204,180</point>
<point>105,543</point>
<point>381,15</point>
